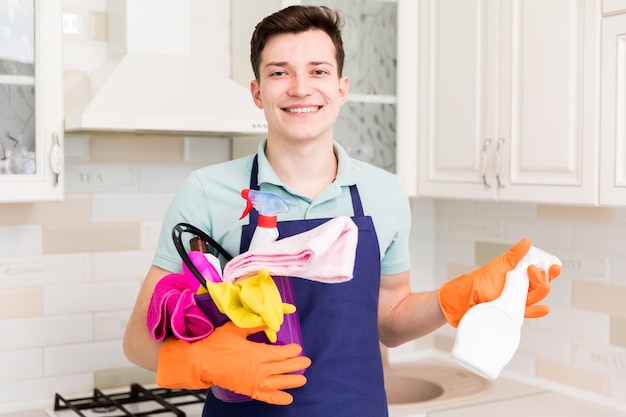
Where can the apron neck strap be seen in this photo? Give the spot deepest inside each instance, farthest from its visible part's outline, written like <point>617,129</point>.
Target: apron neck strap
<point>357,206</point>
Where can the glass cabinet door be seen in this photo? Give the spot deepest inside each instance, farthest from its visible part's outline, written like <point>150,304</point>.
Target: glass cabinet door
<point>366,126</point>
<point>31,105</point>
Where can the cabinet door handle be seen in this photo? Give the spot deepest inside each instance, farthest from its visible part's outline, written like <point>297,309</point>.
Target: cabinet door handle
<point>498,162</point>
<point>56,157</point>
<point>484,162</point>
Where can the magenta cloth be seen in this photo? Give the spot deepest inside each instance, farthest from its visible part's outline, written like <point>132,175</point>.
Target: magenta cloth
<point>325,254</point>
<point>173,311</point>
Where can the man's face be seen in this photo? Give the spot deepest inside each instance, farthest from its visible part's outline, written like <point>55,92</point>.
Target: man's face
<point>299,88</point>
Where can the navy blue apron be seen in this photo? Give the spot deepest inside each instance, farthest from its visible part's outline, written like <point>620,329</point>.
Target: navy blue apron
<point>340,332</point>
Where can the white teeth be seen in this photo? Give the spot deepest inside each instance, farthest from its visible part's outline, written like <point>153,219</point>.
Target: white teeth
<point>303,110</point>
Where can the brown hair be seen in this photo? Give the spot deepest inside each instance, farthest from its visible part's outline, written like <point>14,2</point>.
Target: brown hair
<point>297,19</point>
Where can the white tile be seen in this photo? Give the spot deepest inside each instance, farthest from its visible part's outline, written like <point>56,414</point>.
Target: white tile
<point>45,331</point>
<point>488,229</point>
<point>423,206</point>
<point>422,248</point>
<point>72,359</point>
<point>64,299</point>
<point>544,345</point>
<point>583,325</point>
<point>505,210</point>
<point>40,392</point>
<point>164,177</point>
<point>24,271</point>
<point>110,325</point>
<point>485,208</point>
<point>602,358</point>
<point>590,266</point>
<point>543,233</point>
<point>76,148</point>
<point>21,364</point>
<point>246,145</point>
<point>98,178</point>
<point>600,237</point>
<point>618,270</point>
<point>454,207</point>
<point>207,149</point>
<point>150,232</point>
<point>20,240</point>
<point>130,207</point>
<point>618,215</point>
<point>121,266</point>
<point>454,251</point>
<point>560,292</point>
<point>521,364</point>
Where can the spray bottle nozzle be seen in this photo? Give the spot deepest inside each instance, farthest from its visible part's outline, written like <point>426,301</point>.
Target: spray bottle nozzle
<point>540,258</point>
<point>267,204</point>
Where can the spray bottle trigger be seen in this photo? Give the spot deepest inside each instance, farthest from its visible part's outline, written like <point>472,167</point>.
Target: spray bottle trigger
<point>244,194</point>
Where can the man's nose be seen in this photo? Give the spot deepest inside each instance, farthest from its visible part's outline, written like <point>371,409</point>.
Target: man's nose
<point>300,85</point>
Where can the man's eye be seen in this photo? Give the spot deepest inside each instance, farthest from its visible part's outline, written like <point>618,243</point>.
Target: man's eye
<point>277,73</point>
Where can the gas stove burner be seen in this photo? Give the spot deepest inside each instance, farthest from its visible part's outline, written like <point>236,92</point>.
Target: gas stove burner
<point>136,402</point>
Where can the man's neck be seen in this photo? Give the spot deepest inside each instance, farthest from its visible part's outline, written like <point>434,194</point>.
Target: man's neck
<point>305,167</point>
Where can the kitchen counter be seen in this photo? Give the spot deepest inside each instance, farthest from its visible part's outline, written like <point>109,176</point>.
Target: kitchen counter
<point>543,404</point>
<point>513,399</point>
<point>508,397</point>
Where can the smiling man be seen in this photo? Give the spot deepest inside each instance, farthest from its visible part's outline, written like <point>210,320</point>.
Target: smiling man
<point>297,56</point>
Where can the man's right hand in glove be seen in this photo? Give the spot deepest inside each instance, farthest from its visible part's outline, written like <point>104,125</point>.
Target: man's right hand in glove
<point>228,359</point>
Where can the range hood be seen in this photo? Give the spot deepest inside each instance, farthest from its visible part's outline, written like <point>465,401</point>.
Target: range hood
<point>153,83</point>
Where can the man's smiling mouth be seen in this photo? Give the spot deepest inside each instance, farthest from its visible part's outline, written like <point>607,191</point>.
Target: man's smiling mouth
<point>302,109</point>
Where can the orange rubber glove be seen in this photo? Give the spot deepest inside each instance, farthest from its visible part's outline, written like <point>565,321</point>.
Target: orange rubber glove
<point>486,284</point>
<point>538,289</point>
<point>228,359</point>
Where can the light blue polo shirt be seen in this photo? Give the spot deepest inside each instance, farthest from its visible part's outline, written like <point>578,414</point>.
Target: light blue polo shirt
<point>210,199</point>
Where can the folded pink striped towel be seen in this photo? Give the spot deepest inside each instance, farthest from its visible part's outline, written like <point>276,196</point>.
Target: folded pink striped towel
<point>325,254</point>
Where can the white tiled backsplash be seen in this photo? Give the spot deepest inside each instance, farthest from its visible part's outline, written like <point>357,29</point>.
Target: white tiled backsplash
<point>70,271</point>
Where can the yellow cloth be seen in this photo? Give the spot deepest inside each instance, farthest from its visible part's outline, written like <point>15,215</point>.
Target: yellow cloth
<point>252,302</point>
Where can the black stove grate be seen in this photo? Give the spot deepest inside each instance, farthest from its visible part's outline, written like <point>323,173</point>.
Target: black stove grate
<point>165,400</point>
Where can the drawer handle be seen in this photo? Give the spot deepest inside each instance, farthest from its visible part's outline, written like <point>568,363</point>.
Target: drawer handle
<point>56,158</point>
<point>498,162</point>
<point>484,162</point>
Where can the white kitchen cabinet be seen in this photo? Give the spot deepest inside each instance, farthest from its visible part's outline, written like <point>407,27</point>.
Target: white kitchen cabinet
<point>506,102</point>
<point>613,127</point>
<point>610,7</point>
<point>31,101</point>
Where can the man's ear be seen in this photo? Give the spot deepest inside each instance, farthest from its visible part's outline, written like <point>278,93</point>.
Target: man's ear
<point>344,88</point>
<point>256,93</point>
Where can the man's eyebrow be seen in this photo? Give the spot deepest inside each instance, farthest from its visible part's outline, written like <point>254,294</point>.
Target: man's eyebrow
<point>284,63</point>
<point>276,64</point>
<point>320,63</point>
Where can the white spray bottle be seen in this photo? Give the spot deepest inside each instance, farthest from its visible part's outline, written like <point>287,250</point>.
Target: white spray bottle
<point>489,333</point>
<point>268,205</point>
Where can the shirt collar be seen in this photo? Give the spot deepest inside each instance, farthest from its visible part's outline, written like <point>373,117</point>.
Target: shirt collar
<point>345,169</point>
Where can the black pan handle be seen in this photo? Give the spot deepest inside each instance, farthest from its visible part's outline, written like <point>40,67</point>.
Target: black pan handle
<point>177,232</point>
